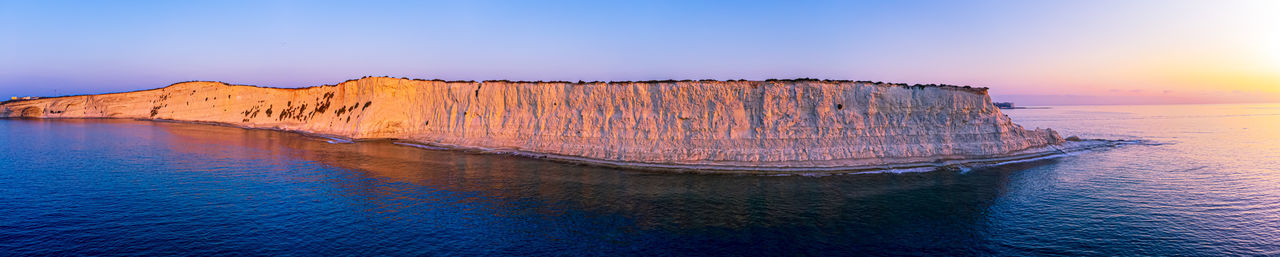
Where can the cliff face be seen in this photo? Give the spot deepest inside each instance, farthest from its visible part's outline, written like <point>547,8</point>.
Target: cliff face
<point>735,125</point>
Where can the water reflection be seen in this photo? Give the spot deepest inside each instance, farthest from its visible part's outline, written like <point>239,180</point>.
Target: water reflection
<point>514,186</point>
<point>1210,187</point>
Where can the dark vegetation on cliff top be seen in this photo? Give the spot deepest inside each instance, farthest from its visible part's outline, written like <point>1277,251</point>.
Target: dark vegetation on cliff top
<point>878,83</point>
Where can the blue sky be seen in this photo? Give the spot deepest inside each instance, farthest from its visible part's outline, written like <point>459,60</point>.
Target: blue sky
<point>1044,51</point>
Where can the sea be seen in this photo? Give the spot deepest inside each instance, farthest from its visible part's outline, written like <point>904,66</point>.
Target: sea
<point>1204,180</point>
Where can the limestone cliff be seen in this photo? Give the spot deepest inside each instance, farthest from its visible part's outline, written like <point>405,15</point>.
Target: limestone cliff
<point>784,125</point>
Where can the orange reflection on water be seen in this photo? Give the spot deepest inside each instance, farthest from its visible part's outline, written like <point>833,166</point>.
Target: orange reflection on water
<point>507,183</point>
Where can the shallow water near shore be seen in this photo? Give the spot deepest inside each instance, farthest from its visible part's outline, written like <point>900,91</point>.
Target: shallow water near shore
<point>1207,184</point>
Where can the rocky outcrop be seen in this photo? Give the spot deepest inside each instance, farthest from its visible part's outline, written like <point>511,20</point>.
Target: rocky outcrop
<point>784,125</point>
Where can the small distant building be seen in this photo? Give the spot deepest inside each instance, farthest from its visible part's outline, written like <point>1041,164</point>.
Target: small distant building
<point>1004,105</point>
<point>13,98</point>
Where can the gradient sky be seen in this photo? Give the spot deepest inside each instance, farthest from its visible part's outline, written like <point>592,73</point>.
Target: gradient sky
<point>1031,52</point>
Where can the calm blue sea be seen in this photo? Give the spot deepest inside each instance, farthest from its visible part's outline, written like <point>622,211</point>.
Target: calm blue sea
<point>1205,183</point>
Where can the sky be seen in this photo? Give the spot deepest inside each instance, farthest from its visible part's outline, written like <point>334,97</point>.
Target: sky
<point>1029,52</point>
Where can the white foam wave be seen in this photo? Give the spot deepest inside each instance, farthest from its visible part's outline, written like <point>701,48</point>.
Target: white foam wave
<point>420,146</point>
<point>335,140</point>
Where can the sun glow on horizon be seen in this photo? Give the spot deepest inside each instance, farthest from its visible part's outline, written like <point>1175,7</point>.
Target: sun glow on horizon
<point>1185,50</point>
<point>1271,49</point>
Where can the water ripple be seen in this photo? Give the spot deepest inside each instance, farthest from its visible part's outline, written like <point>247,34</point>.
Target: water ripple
<point>1203,181</point>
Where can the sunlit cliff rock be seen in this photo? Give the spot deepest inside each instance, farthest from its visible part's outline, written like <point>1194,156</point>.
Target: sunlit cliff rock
<point>784,125</point>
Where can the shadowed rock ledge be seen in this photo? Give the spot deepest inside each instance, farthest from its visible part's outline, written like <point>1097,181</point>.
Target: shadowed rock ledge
<point>718,126</point>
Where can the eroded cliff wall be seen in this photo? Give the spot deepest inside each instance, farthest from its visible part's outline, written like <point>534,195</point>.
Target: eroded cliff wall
<point>699,124</point>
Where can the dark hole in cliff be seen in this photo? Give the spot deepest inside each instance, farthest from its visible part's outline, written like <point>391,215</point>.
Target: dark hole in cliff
<point>426,123</point>
<point>269,111</point>
<point>839,107</point>
<point>366,105</point>
<point>34,112</point>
